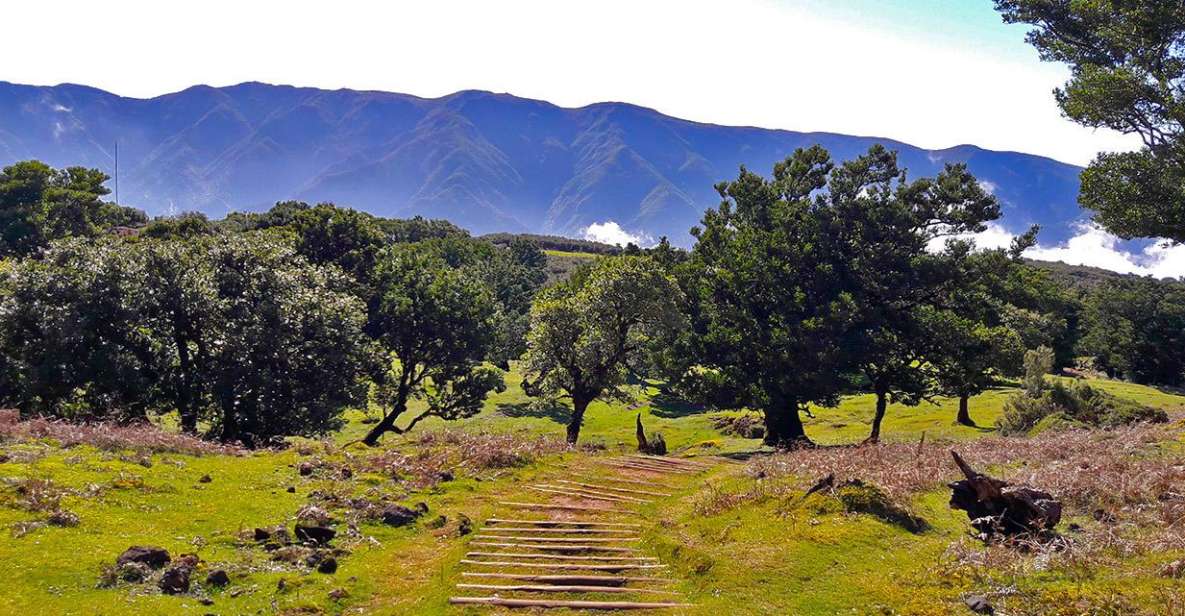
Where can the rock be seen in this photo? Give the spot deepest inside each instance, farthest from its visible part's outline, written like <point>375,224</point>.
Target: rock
<point>291,490</point>
<point>4,458</point>
<point>133,572</point>
<point>62,517</point>
<point>420,508</point>
<point>398,515</point>
<point>153,557</point>
<point>306,468</point>
<point>1174,570</point>
<point>979,604</point>
<point>187,560</point>
<point>437,522</point>
<point>293,554</point>
<point>338,594</point>
<point>205,479</point>
<point>346,472</point>
<point>312,514</point>
<point>218,578</point>
<point>314,534</point>
<point>446,476</point>
<point>262,534</point>
<point>206,601</point>
<point>464,525</point>
<point>328,565</point>
<point>175,580</point>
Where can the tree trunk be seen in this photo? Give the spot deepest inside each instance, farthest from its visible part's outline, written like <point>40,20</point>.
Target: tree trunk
<point>185,402</point>
<point>783,426</point>
<point>964,415</point>
<point>579,405</point>
<point>882,402</point>
<point>383,426</point>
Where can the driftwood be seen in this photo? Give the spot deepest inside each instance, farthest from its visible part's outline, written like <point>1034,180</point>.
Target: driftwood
<point>999,510</point>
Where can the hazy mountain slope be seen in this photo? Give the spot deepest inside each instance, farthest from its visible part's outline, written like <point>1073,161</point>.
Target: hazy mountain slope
<point>490,162</point>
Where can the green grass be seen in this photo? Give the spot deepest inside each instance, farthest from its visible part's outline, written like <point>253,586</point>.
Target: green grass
<point>765,557</point>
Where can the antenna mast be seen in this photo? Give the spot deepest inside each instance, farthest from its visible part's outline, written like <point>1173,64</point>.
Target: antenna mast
<point>117,170</point>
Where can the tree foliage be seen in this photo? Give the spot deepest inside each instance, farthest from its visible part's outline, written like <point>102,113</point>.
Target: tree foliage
<point>1135,328</point>
<point>39,204</point>
<point>1127,62</point>
<point>586,333</point>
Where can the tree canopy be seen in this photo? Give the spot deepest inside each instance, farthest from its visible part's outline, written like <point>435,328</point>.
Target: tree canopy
<point>586,332</point>
<point>1127,62</point>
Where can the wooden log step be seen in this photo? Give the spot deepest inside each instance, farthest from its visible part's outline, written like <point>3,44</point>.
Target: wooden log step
<point>550,523</point>
<point>589,579</point>
<point>630,466</point>
<point>572,567</point>
<point>595,492</point>
<point>562,588</point>
<point>575,494</point>
<point>559,531</point>
<point>558,556</point>
<point>560,507</point>
<point>636,482</point>
<point>673,462</point>
<point>661,466</point>
<point>584,605</point>
<point>560,539</point>
<point>613,488</point>
<point>552,547</point>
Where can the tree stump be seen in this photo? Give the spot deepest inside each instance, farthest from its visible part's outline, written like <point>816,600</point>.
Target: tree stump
<point>1002,511</point>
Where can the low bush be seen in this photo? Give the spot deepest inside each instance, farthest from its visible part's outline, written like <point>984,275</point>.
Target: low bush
<point>1076,404</point>
<point>144,438</point>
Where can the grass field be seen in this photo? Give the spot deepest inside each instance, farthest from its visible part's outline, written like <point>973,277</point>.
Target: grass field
<point>768,552</point>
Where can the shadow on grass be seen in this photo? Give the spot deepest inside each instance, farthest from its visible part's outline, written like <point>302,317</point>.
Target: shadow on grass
<point>555,412</point>
<point>669,406</point>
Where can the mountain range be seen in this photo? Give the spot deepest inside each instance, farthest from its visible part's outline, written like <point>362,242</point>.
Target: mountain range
<point>489,162</point>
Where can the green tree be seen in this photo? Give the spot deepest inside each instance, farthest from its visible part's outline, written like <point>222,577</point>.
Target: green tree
<point>39,204</point>
<point>968,356</point>
<point>436,323</point>
<point>586,331</point>
<point>1135,328</point>
<point>1127,65</point>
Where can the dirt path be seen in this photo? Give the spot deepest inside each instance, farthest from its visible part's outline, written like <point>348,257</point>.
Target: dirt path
<point>573,542</point>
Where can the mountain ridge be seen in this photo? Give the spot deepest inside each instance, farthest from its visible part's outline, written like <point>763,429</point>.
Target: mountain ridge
<point>488,161</point>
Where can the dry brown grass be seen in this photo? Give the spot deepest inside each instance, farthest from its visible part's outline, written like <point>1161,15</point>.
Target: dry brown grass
<point>1128,483</point>
<point>144,438</point>
<point>439,455</point>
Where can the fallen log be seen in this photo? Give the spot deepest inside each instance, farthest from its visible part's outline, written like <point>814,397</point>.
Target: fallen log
<point>999,510</point>
<point>587,605</point>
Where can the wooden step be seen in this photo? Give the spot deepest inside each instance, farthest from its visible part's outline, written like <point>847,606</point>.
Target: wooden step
<point>557,531</point>
<point>517,505</point>
<point>584,605</point>
<point>576,494</point>
<point>613,488</point>
<point>672,462</point>
<point>636,482</point>
<point>562,588</point>
<point>639,466</point>
<point>557,539</point>
<point>589,579</point>
<point>553,522</point>
<point>571,567</point>
<point>557,556</point>
<point>595,493</point>
<point>551,547</point>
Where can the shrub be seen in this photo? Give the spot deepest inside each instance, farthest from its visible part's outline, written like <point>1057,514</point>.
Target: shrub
<point>1075,403</point>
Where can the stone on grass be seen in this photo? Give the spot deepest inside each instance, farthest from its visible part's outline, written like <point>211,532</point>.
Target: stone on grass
<point>153,557</point>
<point>205,479</point>
<point>133,572</point>
<point>314,534</point>
<point>398,515</point>
<point>175,580</point>
<point>218,577</point>
<point>979,604</point>
<point>62,517</point>
<point>328,565</point>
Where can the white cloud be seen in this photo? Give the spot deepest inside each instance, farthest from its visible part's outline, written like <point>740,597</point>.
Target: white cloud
<point>60,108</point>
<point>990,187</point>
<point>609,232</point>
<point>994,236</point>
<point>1092,246</point>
